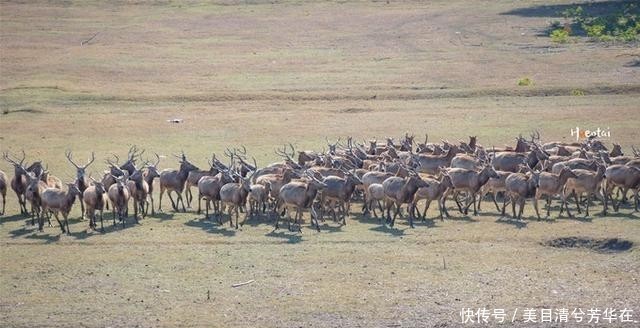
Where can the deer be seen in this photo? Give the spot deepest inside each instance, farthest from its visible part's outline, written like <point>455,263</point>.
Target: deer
<point>3,190</point>
<point>81,180</point>
<point>149,176</point>
<point>59,201</point>
<point>431,164</point>
<point>575,163</point>
<point>300,195</point>
<point>235,196</point>
<point>50,180</point>
<point>469,181</point>
<point>398,191</point>
<point>519,187</point>
<point>586,181</point>
<point>119,197</point>
<point>434,191</point>
<point>339,190</point>
<point>624,177</point>
<point>139,191</point>
<point>258,198</point>
<point>493,186</point>
<point>34,190</point>
<point>94,199</point>
<point>209,189</point>
<point>369,178</point>
<point>276,181</point>
<point>174,180</point>
<point>551,184</point>
<point>117,170</point>
<point>376,194</point>
<point>194,176</point>
<point>20,180</point>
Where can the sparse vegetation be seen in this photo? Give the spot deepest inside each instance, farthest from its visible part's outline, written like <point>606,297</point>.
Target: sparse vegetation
<point>577,92</point>
<point>622,25</point>
<point>525,81</point>
<point>559,35</point>
<point>254,74</point>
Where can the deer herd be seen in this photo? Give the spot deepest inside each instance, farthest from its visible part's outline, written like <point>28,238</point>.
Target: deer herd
<point>384,176</point>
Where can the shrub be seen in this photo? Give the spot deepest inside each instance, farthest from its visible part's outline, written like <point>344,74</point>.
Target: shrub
<point>559,35</point>
<point>523,82</point>
<point>577,92</point>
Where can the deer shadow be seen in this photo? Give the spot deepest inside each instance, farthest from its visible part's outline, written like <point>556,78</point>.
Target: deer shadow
<point>14,218</point>
<point>211,227</point>
<point>597,8</point>
<point>514,222</point>
<point>291,237</point>
<point>48,238</point>
<point>389,230</point>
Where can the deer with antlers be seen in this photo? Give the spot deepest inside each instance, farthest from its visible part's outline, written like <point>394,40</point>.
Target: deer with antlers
<point>299,195</point>
<point>3,190</point>
<point>20,180</point>
<point>174,180</point>
<point>234,195</point>
<point>81,179</point>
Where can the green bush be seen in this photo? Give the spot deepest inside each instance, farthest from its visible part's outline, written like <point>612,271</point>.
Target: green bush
<point>577,92</point>
<point>559,35</point>
<point>621,25</point>
<point>525,81</point>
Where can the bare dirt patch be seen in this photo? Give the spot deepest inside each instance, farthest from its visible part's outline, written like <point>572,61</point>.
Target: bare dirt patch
<point>603,245</point>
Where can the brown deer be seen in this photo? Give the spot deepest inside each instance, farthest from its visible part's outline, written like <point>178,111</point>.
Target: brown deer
<point>3,190</point>
<point>551,184</point>
<point>300,195</point>
<point>119,196</point>
<point>519,187</point>
<point>398,191</point>
<point>94,199</point>
<point>174,180</point>
<point>235,195</point>
<point>59,201</point>
<point>434,191</point>
<point>81,180</point>
<point>586,181</point>
<point>149,176</point>
<point>470,182</point>
<point>624,177</point>
<point>20,180</point>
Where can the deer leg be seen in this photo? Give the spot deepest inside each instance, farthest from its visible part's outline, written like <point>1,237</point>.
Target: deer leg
<point>81,206</point>
<point>101,224</point>
<point>184,209</point>
<point>522,201</point>
<point>153,210</point>
<point>411,212</point>
<point>513,207</point>
<point>586,213</point>
<point>575,196</point>
<point>504,204</point>
<point>160,199</point>
<point>426,208</point>
<point>59,223</point>
<point>173,204</point>
<point>4,202</point>
<point>66,222</point>
<point>475,210</point>
<point>566,204</point>
<point>188,196</point>
<point>299,218</point>
<point>535,205</point>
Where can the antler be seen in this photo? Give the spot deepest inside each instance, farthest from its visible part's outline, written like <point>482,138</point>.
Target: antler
<point>6,156</point>
<point>68,154</point>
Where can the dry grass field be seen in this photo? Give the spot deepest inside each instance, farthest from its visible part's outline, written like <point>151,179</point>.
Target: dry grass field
<point>262,73</point>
